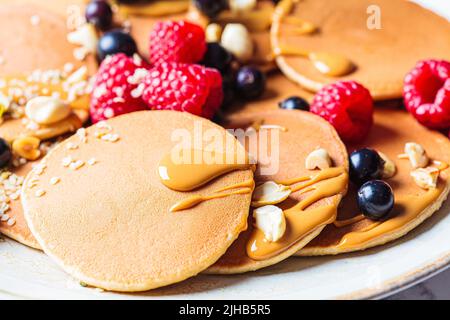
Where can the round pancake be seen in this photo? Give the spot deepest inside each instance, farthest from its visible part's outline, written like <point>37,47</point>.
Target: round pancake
<point>392,129</point>
<point>109,224</point>
<point>19,231</point>
<point>278,88</point>
<point>382,56</point>
<point>42,45</point>
<point>305,132</point>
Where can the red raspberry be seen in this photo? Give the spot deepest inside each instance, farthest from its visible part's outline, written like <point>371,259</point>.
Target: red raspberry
<point>177,41</point>
<point>426,93</point>
<point>348,106</point>
<point>116,89</point>
<point>184,87</point>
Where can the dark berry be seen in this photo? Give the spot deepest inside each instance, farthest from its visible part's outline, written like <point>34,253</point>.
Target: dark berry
<point>365,164</point>
<point>5,153</point>
<point>294,103</point>
<point>211,8</point>
<point>116,41</point>
<point>217,57</point>
<point>99,13</point>
<point>250,82</point>
<point>228,86</point>
<point>375,199</point>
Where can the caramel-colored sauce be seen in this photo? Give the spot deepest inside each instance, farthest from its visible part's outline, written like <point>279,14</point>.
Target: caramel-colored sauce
<point>197,167</point>
<point>347,222</point>
<point>327,63</point>
<point>242,188</point>
<point>155,8</point>
<point>406,209</point>
<point>300,221</point>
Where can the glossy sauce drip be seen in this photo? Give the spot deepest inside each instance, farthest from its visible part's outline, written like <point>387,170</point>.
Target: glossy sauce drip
<point>198,168</point>
<point>155,8</point>
<point>405,210</point>
<point>327,63</point>
<point>239,188</point>
<point>301,221</point>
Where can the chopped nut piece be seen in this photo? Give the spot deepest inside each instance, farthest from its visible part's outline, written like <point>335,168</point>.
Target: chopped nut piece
<point>416,154</point>
<point>271,221</point>
<point>84,36</point>
<point>236,39</point>
<point>318,159</point>
<point>426,178</point>
<point>27,147</point>
<point>213,32</point>
<point>47,110</point>
<point>270,193</point>
<point>389,167</point>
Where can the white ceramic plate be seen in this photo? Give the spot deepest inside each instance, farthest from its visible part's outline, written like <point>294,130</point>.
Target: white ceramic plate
<point>27,273</point>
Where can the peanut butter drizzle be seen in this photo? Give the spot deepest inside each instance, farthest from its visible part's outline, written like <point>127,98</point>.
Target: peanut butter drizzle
<point>199,168</point>
<point>347,222</point>
<point>301,221</point>
<point>406,209</point>
<point>243,188</point>
<point>155,8</point>
<point>330,64</point>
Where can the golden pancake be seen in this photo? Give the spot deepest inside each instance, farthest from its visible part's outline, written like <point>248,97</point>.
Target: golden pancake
<point>300,134</point>
<point>392,129</point>
<point>337,32</point>
<point>278,88</point>
<point>118,233</point>
<point>38,41</point>
<point>14,224</point>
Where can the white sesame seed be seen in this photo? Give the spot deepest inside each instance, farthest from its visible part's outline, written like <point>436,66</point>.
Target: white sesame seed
<point>71,146</point>
<point>92,161</point>
<point>54,180</point>
<point>11,222</point>
<point>67,161</point>
<point>76,165</point>
<point>5,217</point>
<point>39,193</point>
<point>35,20</point>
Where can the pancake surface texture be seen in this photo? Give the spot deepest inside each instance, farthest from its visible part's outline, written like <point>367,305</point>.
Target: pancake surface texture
<point>407,33</point>
<point>38,41</point>
<point>392,129</point>
<point>108,223</point>
<point>304,133</point>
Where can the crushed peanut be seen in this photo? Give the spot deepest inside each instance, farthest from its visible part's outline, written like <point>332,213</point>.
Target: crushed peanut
<point>27,147</point>
<point>389,167</point>
<point>416,154</point>
<point>318,159</point>
<point>426,178</point>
